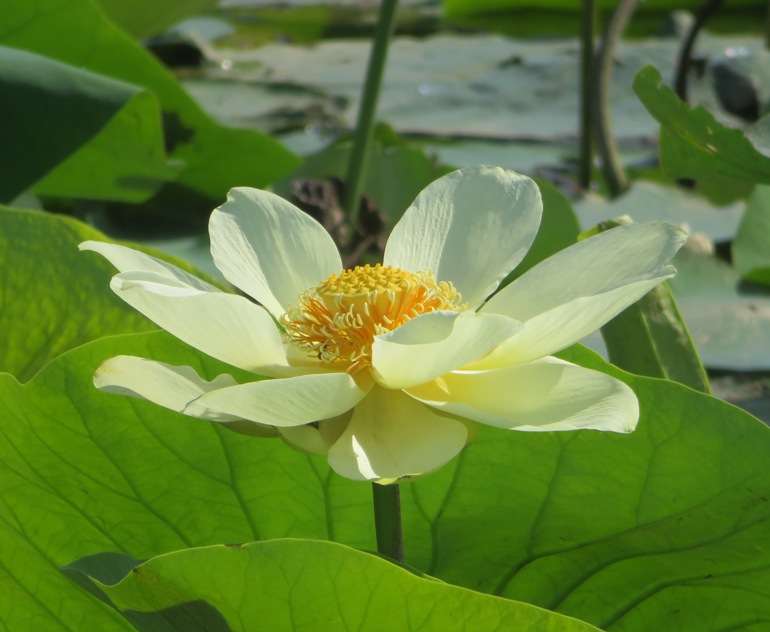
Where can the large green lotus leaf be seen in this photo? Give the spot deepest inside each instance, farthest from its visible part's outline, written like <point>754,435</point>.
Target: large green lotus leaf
<point>77,33</point>
<point>83,472</point>
<point>309,586</point>
<point>693,144</point>
<point>728,319</point>
<point>751,247</point>
<point>94,136</point>
<point>599,526</point>
<point>149,17</point>
<point>53,297</point>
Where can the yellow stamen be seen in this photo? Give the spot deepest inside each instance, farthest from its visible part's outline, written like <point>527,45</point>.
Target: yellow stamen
<point>337,320</point>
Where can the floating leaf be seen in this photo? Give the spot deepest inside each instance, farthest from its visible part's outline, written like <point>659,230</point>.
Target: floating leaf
<point>728,320</point>
<point>647,200</point>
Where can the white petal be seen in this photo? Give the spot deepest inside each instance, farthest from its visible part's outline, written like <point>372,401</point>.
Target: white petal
<point>173,387</point>
<point>564,325</point>
<point>129,260</point>
<point>595,265</point>
<point>316,438</point>
<point>392,436</point>
<point>289,401</point>
<point>269,248</point>
<point>470,227</point>
<point>225,326</point>
<point>433,344</point>
<point>544,395</point>
<point>577,290</point>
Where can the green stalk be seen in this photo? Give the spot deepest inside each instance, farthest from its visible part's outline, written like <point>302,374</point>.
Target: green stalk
<point>365,124</point>
<point>685,55</point>
<point>387,521</point>
<point>767,27</point>
<point>587,36</point>
<point>612,168</point>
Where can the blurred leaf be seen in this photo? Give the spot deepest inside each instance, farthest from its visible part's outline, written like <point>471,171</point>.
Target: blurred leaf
<point>693,144</point>
<point>142,18</point>
<point>215,157</point>
<point>651,338</point>
<point>311,586</point>
<point>729,321</point>
<point>93,136</point>
<point>751,247</point>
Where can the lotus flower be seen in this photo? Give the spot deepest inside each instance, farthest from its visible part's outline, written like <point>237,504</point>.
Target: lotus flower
<point>388,369</point>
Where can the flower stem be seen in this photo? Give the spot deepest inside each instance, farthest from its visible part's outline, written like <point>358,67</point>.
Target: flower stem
<point>387,521</point>
<point>685,54</point>
<point>612,167</point>
<point>365,125</point>
<point>587,36</point>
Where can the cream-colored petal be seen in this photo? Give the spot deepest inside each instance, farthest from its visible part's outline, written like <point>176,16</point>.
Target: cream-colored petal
<point>225,326</point>
<point>433,344</point>
<point>129,260</point>
<point>565,324</point>
<point>545,395</point>
<point>470,227</point>
<point>392,436</point>
<point>292,401</point>
<point>318,437</point>
<point>270,249</point>
<point>577,290</point>
<point>593,266</point>
<point>173,387</point>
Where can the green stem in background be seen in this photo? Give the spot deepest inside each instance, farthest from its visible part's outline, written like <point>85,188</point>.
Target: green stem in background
<point>685,55</point>
<point>368,108</point>
<point>587,36</point>
<point>387,521</point>
<point>612,168</point>
<point>767,27</point>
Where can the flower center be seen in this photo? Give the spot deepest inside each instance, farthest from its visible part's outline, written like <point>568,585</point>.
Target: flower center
<point>337,320</point>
